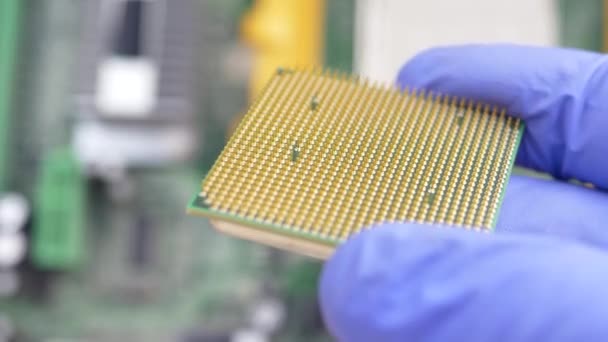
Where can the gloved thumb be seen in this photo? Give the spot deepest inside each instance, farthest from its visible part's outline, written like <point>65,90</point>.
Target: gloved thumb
<point>408,282</point>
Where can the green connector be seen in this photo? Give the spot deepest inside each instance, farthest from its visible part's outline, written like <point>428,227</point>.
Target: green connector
<point>10,15</point>
<point>58,240</point>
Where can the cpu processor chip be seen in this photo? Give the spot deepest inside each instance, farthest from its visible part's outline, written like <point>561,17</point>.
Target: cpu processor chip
<point>320,156</point>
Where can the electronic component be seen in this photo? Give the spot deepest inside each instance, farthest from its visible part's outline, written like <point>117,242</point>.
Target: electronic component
<point>58,234</point>
<point>10,18</point>
<point>319,156</point>
<point>136,85</point>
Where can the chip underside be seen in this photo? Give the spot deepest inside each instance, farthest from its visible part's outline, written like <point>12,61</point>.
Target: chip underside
<point>321,155</point>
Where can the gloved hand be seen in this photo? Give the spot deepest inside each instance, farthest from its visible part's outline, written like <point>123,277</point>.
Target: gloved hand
<point>408,282</point>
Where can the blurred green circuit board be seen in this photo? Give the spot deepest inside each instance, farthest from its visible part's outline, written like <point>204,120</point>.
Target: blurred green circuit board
<point>148,272</point>
<point>192,282</point>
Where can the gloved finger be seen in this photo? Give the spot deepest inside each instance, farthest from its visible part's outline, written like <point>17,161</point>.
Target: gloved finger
<point>556,208</point>
<point>406,282</point>
<point>560,94</point>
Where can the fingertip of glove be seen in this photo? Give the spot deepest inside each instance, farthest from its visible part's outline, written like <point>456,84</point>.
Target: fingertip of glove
<point>351,277</point>
<point>418,71</point>
<point>413,72</point>
<point>357,287</point>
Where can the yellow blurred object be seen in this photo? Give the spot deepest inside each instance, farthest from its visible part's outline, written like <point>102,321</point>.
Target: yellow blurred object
<point>283,33</point>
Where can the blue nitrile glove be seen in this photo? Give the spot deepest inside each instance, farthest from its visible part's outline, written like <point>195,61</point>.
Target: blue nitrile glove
<point>408,282</point>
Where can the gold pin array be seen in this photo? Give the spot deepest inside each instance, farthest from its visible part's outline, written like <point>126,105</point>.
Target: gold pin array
<point>325,154</point>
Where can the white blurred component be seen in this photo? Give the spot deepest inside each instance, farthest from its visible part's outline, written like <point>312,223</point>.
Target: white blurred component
<point>12,249</point>
<point>116,146</point>
<point>389,32</point>
<point>268,315</point>
<point>14,211</point>
<point>249,336</point>
<point>126,87</point>
<point>9,284</point>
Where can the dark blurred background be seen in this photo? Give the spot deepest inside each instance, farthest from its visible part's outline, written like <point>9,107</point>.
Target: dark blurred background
<point>111,111</point>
